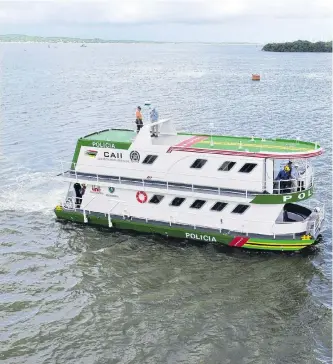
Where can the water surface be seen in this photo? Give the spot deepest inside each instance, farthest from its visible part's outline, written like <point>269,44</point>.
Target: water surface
<point>76,294</point>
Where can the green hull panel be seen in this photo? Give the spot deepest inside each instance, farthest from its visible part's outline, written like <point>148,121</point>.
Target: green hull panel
<point>283,198</point>
<point>190,234</point>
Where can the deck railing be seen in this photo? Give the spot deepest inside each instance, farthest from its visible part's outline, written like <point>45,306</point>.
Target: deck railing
<point>279,186</point>
<point>311,225</point>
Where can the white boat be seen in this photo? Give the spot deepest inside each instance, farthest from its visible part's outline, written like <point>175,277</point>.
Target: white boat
<point>210,188</point>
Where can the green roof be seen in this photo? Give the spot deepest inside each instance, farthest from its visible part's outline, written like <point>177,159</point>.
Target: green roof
<point>215,142</point>
<point>255,144</point>
<point>112,135</point>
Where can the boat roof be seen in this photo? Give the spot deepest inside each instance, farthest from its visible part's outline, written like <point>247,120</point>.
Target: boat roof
<point>216,144</point>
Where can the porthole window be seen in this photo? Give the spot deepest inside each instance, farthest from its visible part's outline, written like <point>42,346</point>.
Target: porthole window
<point>226,166</point>
<point>150,159</point>
<point>197,204</point>
<point>199,163</point>
<point>240,209</point>
<point>177,201</point>
<point>219,206</point>
<point>247,168</point>
<point>156,199</point>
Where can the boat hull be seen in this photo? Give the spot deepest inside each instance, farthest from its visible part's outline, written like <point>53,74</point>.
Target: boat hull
<point>188,233</point>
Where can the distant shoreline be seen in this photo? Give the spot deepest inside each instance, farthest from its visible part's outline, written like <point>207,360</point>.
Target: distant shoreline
<point>21,38</point>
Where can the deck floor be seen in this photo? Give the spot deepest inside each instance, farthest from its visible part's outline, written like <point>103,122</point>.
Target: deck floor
<point>215,142</point>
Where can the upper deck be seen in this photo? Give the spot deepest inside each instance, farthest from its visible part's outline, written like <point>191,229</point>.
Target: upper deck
<point>203,143</point>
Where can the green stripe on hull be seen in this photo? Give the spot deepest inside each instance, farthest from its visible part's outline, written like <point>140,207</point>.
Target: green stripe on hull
<point>283,198</point>
<point>185,233</point>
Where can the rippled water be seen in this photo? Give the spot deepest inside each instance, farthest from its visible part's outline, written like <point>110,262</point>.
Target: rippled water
<point>76,294</point>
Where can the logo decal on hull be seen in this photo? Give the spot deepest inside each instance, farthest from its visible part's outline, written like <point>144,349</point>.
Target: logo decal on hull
<point>96,189</point>
<point>135,156</point>
<point>199,237</point>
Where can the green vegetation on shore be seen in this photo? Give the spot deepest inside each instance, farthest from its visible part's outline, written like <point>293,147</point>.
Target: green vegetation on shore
<point>299,46</point>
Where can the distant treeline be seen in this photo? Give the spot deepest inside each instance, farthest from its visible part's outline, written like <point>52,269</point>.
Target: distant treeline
<point>299,46</point>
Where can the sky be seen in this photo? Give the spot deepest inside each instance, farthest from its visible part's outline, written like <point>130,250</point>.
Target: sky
<point>254,21</point>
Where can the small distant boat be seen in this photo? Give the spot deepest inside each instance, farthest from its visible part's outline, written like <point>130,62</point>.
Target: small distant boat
<point>83,45</point>
<point>255,77</point>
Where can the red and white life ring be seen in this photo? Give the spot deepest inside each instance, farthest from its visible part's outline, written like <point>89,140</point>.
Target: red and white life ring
<point>141,196</point>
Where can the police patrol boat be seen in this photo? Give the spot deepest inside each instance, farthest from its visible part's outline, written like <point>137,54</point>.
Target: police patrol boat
<point>211,188</point>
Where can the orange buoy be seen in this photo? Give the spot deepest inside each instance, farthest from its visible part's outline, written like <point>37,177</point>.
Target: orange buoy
<point>255,77</point>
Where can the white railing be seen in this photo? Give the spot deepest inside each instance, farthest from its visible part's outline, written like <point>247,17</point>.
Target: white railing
<point>315,224</point>
<point>151,171</point>
<point>226,225</point>
<point>279,186</point>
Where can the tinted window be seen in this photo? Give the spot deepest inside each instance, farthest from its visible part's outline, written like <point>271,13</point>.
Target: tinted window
<point>199,163</point>
<point>197,204</point>
<point>247,168</point>
<point>226,166</point>
<point>150,159</point>
<point>219,206</point>
<point>156,199</point>
<point>239,209</point>
<point>177,201</point>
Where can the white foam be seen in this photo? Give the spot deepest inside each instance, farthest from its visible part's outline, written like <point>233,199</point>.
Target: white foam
<point>31,192</point>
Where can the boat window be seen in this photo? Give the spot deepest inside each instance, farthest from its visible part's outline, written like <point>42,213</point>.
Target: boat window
<point>247,168</point>
<point>156,199</point>
<point>239,209</point>
<point>150,159</point>
<point>219,206</point>
<point>197,204</point>
<point>177,201</point>
<point>199,163</point>
<point>226,166</point>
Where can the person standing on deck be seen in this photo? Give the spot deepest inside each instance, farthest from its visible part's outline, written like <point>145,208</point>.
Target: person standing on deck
<point>295,177</point>
<point>154,119</point>
<point>138,119</point>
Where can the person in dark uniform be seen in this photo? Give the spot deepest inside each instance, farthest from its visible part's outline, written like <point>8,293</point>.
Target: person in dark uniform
<point>79,192</point>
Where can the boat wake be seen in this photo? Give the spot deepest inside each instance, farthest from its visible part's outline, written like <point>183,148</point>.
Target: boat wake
<point>31,192</point>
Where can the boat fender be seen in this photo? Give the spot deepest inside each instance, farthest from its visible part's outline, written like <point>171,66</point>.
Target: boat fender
<point>141,196</point>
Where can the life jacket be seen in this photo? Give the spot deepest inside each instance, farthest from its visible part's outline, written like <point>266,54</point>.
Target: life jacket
<point>138,115</point>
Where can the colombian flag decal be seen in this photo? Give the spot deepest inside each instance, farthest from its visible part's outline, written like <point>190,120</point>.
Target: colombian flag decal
<point>91,153</point>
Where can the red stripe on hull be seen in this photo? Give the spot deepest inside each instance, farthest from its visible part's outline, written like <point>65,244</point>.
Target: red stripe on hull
<point>247,154</point>
<point>238,241</point>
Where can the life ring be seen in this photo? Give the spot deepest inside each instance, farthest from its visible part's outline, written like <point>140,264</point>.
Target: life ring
<point>141,196</point>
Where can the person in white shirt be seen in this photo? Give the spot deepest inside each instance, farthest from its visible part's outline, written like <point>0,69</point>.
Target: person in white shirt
<point>295,177</point>
<point>153,119</point>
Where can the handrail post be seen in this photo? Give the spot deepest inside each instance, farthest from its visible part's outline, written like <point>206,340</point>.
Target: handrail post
<point>109,220</point>
<point>75,171</point>
<point>85,220</point>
